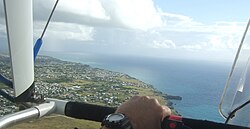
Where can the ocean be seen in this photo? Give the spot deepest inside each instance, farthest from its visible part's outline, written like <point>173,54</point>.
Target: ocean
<point>199,83</point>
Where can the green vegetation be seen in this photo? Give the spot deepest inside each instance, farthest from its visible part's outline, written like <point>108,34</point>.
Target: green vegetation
<point>83,82</point>
<point>77,83</point>
<point>131,80</point>
<point>58,80</point>
<point>58,122</point>
<point>2,86</point>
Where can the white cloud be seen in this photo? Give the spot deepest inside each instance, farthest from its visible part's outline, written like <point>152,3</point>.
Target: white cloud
<point>181,23</point>
<point>109,20</point>
<point>221,41</point>
<point>92,8</point>
<point>135,14</point>
<point>226,35</point>
<point>65,31</point>
<point>196,35</point>
<point>229,27</point>
<point>163,44</point>
<point>190,35</point>
<point>192,47</point>
<point>139,14</point>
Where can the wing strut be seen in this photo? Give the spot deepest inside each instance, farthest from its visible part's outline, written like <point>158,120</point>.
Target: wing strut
<point>36,49</point>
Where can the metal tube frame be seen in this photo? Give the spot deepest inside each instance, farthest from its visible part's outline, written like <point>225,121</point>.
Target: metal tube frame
<point>44,109</point>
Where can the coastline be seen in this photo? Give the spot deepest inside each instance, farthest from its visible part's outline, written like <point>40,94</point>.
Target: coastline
<point>80,82</point>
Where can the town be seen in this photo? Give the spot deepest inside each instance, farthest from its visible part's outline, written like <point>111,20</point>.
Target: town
<point>65,80</point>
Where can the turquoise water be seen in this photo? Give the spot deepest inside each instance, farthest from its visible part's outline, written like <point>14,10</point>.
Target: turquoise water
<point>199,83</point>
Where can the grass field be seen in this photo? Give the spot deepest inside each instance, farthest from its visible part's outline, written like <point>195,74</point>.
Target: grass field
<point>61,122</point>
<point>132,80</point>
<point>58,122</point>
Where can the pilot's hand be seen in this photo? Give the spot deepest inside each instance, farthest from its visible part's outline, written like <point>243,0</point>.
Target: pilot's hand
<point>144,112</point>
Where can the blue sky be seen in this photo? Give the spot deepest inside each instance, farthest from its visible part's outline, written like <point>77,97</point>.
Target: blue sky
<point>202,30</point>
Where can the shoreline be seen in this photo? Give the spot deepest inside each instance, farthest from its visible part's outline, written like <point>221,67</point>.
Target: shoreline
<point>164,98</point>
<point>60,79</point>
<point>80,82</point>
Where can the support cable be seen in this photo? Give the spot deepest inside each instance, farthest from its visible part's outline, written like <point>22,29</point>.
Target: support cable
<point>51,14</point>
<point>233,113</point>
<point>39,41</point>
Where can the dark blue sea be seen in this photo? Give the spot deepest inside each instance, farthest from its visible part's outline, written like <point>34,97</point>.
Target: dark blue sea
<point>200,83</point>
